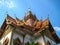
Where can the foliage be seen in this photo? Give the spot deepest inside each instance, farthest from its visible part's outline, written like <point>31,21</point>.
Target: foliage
<point>32,43</point>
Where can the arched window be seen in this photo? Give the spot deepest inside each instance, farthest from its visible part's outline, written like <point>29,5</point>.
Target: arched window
<point>17,42</point>
<point>27,43</point>
<point>48,43</point>
<point>6,41</point>
<point>38,43</point>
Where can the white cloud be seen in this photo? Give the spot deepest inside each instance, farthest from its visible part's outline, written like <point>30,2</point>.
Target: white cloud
<point>2,2</point>
<point>8,4</point>
<point>57,28</point>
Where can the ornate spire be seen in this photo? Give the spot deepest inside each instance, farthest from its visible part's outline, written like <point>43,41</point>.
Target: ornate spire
<point>29,12</point>
<point>14,16</point>
<point>28,9</point>
<point>48,16</point>
<point>25,15</point>
<point>29,18</point>
<point>6,13</point>
<point>41,18</point>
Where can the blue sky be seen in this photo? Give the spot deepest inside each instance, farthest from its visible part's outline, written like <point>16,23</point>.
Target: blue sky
<point>41,8</point>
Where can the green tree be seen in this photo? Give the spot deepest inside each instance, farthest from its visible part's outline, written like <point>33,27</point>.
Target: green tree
<point>32,43</point>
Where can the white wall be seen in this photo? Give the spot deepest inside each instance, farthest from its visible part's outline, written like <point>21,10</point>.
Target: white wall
<point>51,41</point>
<point>27,38</point>
<point>7,36</point>
<point>15,35</point>
<point>40,39</point>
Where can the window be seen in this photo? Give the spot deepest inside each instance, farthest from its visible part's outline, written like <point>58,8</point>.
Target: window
<point>27,43</point>
<point>6,41</point>
<point>17,41</point>
<point>48,43</point>
<point>38,43</point>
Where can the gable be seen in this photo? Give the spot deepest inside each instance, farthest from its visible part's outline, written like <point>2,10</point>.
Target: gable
<point>53,33</point>
<point>30,25</point>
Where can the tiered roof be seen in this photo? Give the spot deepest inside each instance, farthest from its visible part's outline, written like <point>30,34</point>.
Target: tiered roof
<point>29,24</point>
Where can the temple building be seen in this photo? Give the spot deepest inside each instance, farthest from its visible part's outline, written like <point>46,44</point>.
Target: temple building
<point>28,31</point>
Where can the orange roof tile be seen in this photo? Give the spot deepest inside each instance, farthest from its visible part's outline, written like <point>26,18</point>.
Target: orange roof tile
<point>38,24</point>
<point>45,23</point>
